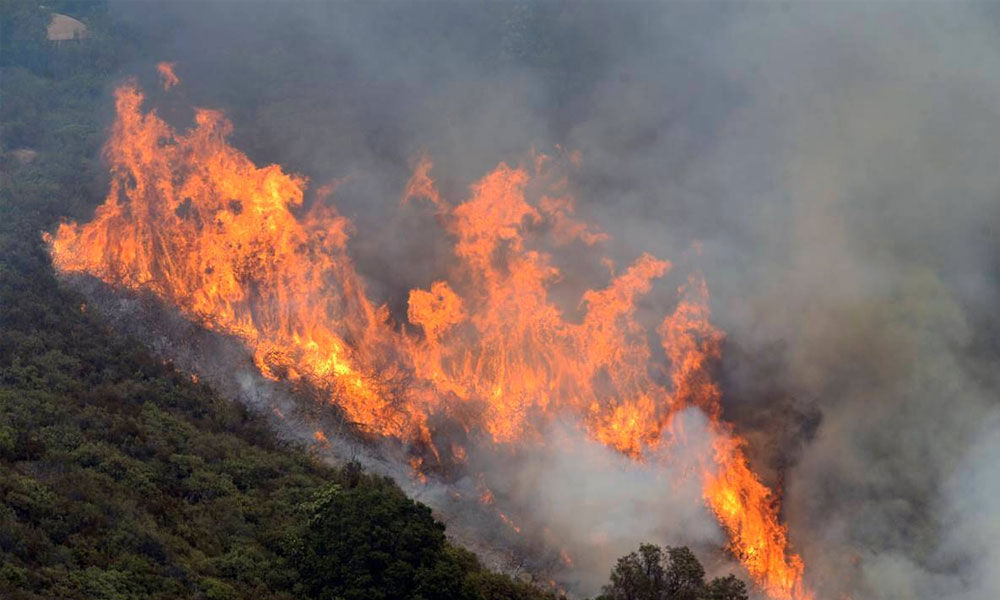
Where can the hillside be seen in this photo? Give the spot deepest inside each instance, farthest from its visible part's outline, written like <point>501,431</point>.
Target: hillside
<point>119,476</point>
<point>123,477</point>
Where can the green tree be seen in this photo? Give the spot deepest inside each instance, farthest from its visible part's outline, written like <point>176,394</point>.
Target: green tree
<point>674,574</point>
<point>727,588</point>
<point>685,576</point>
<point>638,575</point>
<point>372,542</point>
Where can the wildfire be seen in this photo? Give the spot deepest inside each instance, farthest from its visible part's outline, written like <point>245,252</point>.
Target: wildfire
<point>167,76</point>
<point>566,558</point>
<point>509,523</point>
<point>230,244</point>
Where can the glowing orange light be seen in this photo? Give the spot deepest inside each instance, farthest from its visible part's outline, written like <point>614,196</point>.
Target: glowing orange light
<point>193,220</point>
<point>167,76</point>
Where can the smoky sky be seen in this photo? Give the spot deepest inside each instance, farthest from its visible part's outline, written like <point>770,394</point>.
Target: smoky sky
<point>833,169</point>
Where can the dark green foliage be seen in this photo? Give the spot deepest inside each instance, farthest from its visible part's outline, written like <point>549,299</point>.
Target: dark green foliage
<point>23,41</point>
<point>726,588</point>
<point>363,539</point>
<point>652,574</point>
<point>400,553</point>
<point>120,478</point>
<point>638,576</point>
<point>685,576</point>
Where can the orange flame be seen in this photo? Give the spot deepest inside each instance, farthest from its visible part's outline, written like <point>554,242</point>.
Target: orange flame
<point>167,76</point>
<point>194,221</point>
<point>509,523</point>
<point>746,508</point>
<point>566,558</point>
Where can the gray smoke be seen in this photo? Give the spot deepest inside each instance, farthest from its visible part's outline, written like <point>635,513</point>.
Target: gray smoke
<point>837,163</point>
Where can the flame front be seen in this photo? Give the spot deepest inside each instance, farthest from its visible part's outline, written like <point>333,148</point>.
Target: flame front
<point>233,246</point>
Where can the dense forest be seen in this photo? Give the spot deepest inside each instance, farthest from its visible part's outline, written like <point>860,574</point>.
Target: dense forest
<point>120,477</point>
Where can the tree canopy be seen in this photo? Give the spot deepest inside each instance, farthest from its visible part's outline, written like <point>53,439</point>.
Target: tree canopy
<point>673,573</point>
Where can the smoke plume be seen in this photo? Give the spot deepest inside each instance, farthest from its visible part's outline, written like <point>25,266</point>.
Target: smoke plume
<point>831,169</point>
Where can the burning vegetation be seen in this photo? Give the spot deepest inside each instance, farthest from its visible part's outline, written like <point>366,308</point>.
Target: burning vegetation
<point>247,251</point>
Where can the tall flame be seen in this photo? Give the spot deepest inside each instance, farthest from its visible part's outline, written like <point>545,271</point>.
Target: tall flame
<point>232,245</point>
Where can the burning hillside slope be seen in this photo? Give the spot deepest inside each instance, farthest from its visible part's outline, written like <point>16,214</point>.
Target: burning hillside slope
<point>244,251</point>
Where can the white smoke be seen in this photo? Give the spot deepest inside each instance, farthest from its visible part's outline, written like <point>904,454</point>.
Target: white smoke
<point>838,163</point>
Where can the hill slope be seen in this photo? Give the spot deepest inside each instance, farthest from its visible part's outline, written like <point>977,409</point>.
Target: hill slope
<point>119,476</point>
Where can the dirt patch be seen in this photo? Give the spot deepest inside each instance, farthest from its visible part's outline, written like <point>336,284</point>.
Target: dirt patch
<point>62,27</point>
